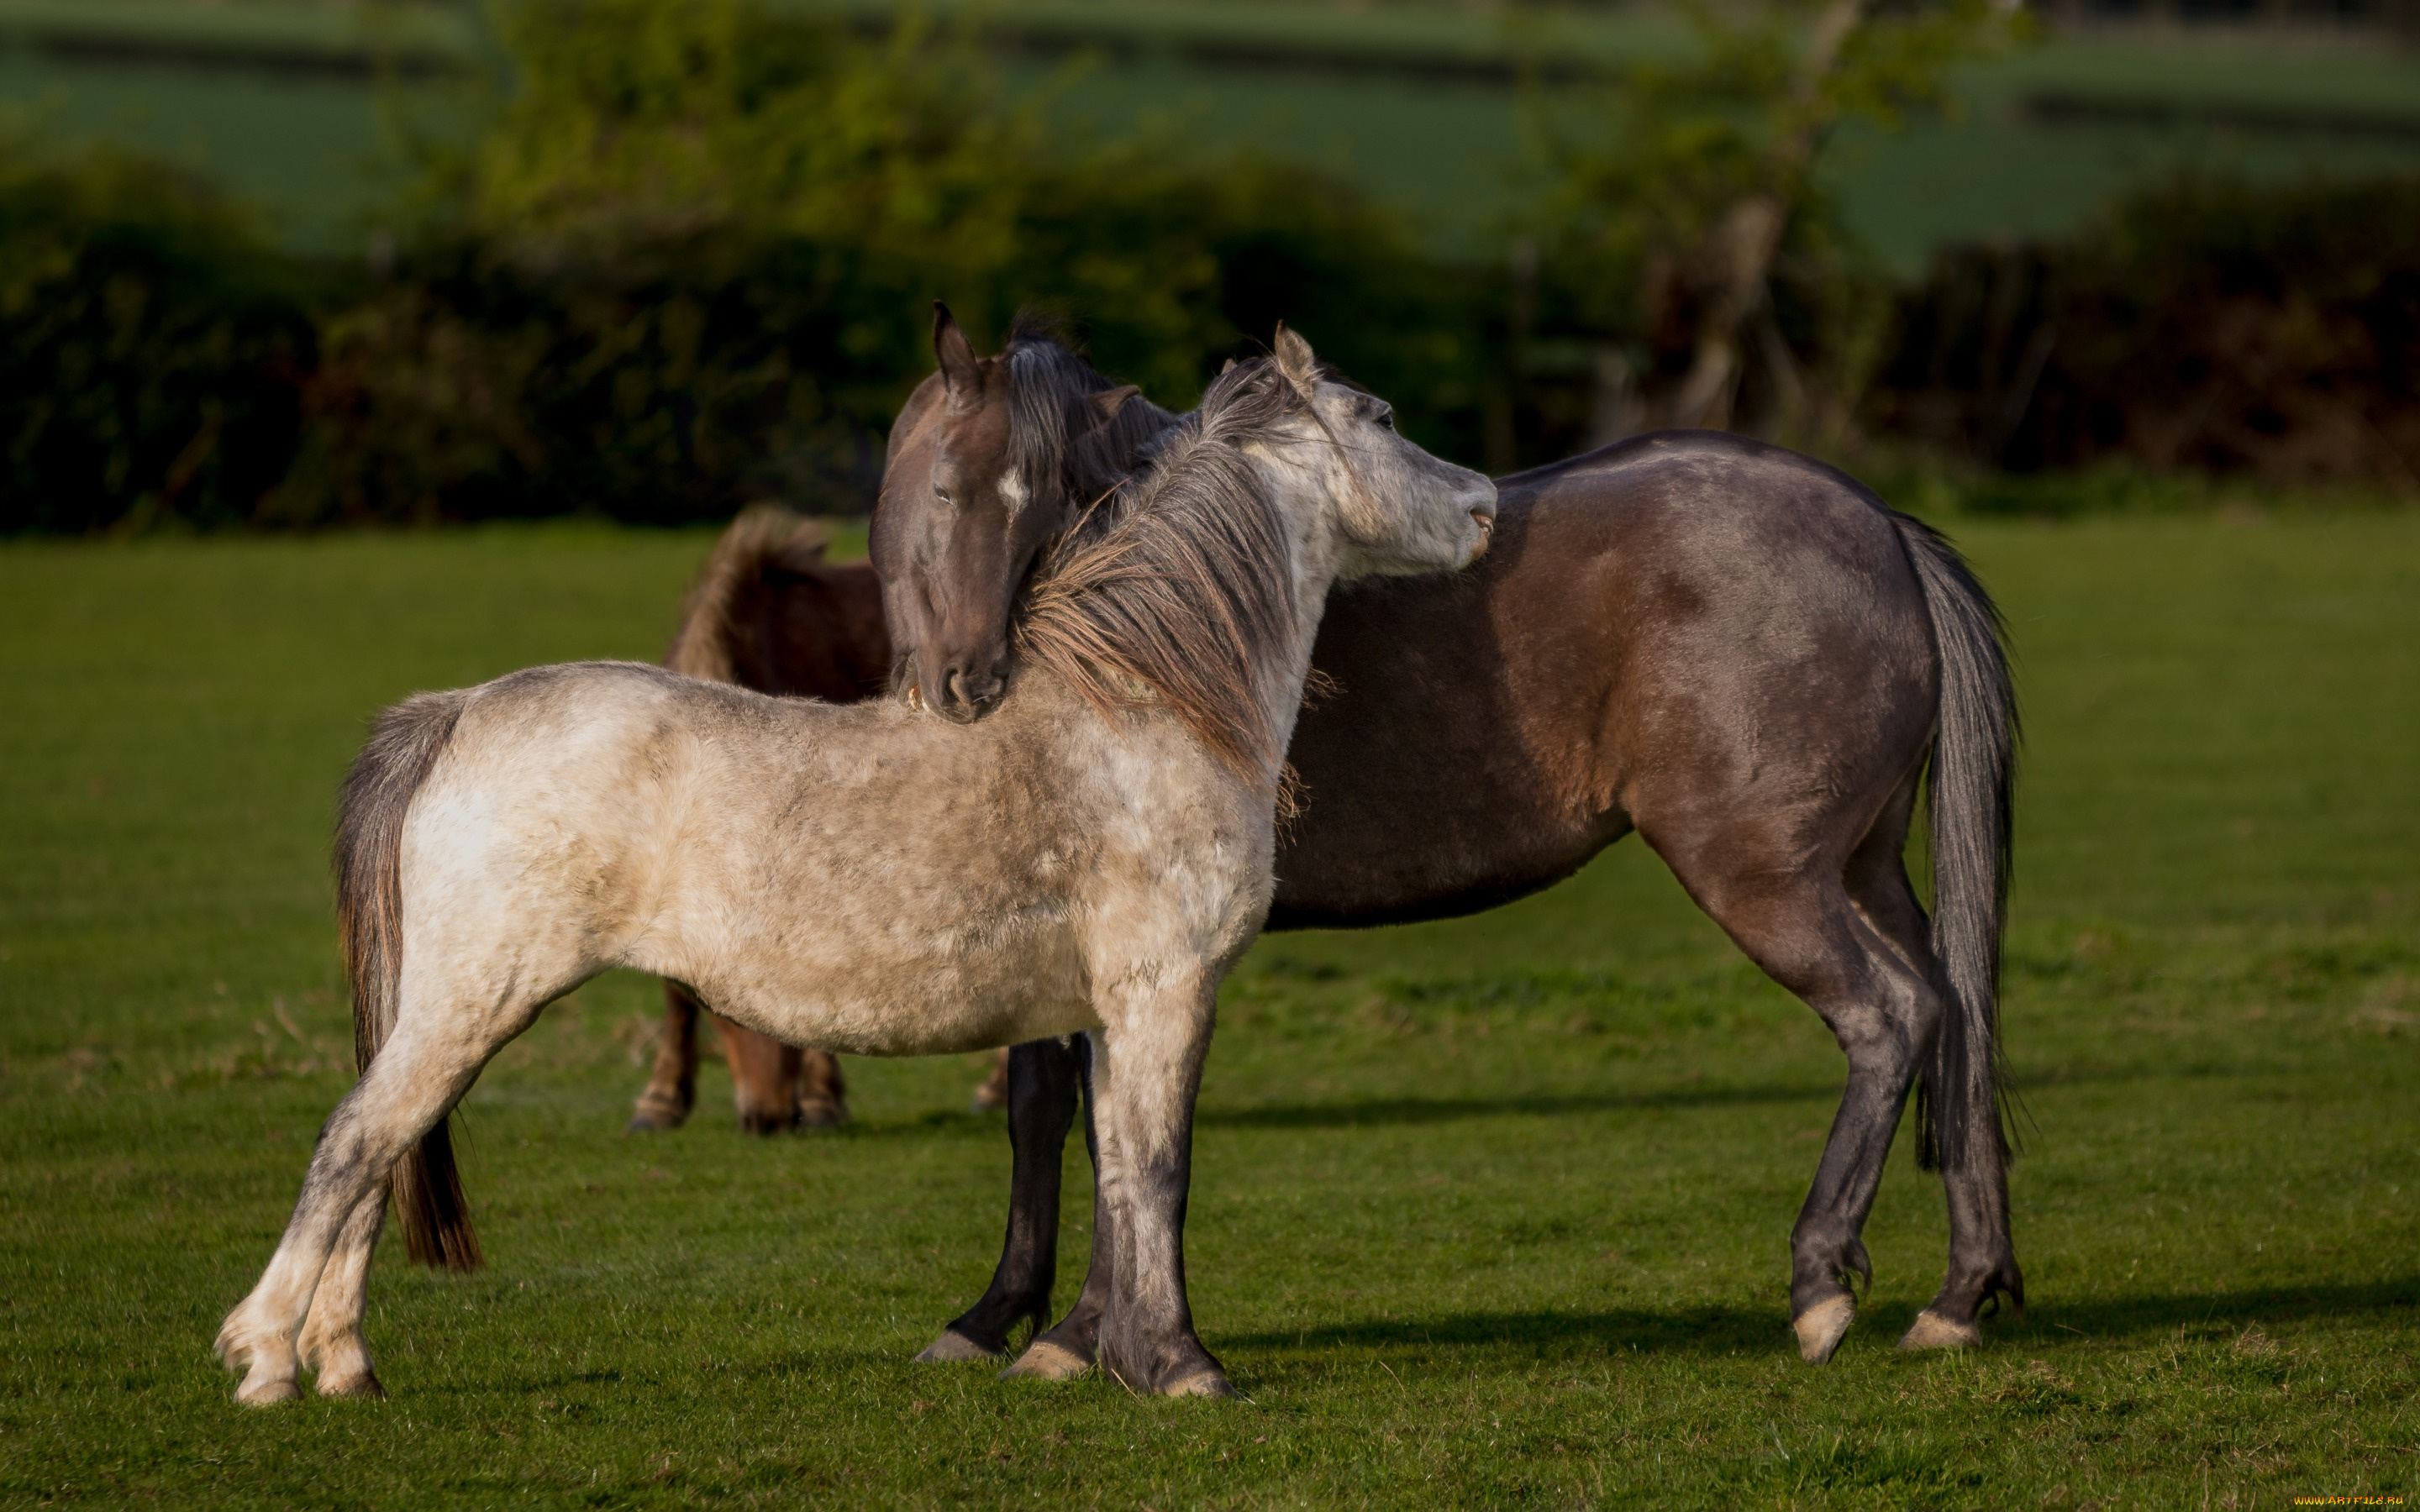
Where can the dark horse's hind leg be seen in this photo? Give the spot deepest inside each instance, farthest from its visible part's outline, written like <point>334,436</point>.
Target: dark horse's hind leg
<point>1796,921</point>
<point>1041,1083</point>
<point>1982,1256</point>
<point>672,1090</point>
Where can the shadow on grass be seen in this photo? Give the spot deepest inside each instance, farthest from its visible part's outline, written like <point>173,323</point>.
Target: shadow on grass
<point>1415,1110</point>
<point>2164,1312</point>
<point>1382,1111</point>
<point>1720,1330</point>
<point>1420,1110</point>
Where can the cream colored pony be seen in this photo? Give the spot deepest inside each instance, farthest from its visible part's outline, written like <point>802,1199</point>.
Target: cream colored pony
<point>865,877</point>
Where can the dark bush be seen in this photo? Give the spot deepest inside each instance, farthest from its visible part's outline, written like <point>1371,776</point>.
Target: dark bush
<point>2206,324</point>
<point>152,350</point>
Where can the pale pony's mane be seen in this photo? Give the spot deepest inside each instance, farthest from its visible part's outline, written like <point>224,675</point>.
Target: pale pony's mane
<point>1184,598</point>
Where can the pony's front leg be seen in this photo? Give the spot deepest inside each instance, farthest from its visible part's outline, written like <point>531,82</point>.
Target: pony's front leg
<point>1147,1069</point>
<point>332,1342</point>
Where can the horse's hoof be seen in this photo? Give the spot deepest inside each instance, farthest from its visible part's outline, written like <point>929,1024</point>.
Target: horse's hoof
<point>953,1348</point>
<point>822,1113</point>
<point>1046,1360</point>
<point>1204,1383</point>
<point>1821,1327</point>
<point>642,1124</point>
<point>268,1393</point>
<point>361,1388</point>
<point>1930,1331</point>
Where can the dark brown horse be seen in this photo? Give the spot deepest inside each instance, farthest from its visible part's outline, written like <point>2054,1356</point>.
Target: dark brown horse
<point>769,613</point>
<point>1735,650</point>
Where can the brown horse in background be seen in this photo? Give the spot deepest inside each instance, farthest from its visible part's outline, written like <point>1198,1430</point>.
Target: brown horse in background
<point>768,613</point>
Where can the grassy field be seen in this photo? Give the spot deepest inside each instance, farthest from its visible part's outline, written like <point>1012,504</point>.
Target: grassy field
<point>1486,1212</point>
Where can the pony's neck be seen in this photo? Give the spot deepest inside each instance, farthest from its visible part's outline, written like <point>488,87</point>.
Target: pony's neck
<point>1317,561</point>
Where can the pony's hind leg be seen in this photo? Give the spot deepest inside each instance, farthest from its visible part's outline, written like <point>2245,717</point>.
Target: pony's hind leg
<point>414,1081</point>
<point>823,1091</point>
<point>764,1077</point>
<point>1982,1254</point>
<point>671,1087</point>
<point>1801,927</point>
<point>332,1342</point>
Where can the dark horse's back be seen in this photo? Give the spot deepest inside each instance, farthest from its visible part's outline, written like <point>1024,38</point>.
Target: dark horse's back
<point>1668,631</point>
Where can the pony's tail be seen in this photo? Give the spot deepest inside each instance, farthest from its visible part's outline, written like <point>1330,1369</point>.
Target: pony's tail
<point>763,534</point>
<point>378,792</point>
<point>1960,1098</point>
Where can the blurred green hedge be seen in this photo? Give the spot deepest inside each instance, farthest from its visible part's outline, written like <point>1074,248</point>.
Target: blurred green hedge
<point>2203,326</point>
<point>152,352</point>
<point>689,261</point>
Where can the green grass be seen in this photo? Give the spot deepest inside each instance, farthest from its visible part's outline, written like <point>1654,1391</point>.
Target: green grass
<point>1491,1211</point>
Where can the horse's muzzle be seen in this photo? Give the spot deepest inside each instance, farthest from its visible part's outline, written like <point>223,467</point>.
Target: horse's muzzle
<point>968,696</point>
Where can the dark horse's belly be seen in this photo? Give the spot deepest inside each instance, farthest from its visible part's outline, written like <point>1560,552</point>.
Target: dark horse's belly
<point>1436,778</point>
<point>1642,607</point>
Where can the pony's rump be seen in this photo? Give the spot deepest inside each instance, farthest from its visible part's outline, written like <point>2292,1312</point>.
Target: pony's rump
<point>376,796</point>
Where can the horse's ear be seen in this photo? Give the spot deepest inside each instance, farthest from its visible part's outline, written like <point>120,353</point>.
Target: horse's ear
<point>1226,367</point>
<point>957,359</point>
<point>1295,361</point>
<point>1110,401</point>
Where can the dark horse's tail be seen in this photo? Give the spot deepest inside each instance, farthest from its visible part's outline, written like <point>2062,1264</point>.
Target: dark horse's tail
<point>1972,778</point>
<point>378,792</point>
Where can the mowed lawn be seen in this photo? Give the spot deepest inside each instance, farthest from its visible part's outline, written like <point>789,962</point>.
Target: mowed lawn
<point>1486,1212</point>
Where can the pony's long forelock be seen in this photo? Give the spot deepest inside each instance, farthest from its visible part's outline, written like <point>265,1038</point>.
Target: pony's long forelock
<point>1178,593</point>
<point>1059,443</point>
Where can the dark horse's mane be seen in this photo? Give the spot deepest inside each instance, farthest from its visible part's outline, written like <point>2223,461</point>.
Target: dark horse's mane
<point>1177,592</point>
<point>1059,442</point>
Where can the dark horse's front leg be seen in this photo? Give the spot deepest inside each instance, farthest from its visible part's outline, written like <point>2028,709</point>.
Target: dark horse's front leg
<point>1043,1079</point>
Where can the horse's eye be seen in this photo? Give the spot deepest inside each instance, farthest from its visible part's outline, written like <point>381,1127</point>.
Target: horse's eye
<point>941,493</point>
<point>1387,417</point>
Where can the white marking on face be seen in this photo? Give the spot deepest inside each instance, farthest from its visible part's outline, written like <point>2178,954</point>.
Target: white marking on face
<point>1012,488</point>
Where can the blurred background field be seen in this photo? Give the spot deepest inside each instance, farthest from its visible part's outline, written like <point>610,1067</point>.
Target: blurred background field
<point>1487,1212</point>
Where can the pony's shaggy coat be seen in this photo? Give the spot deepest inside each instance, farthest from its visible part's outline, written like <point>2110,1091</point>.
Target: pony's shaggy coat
<point>855,876</point>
